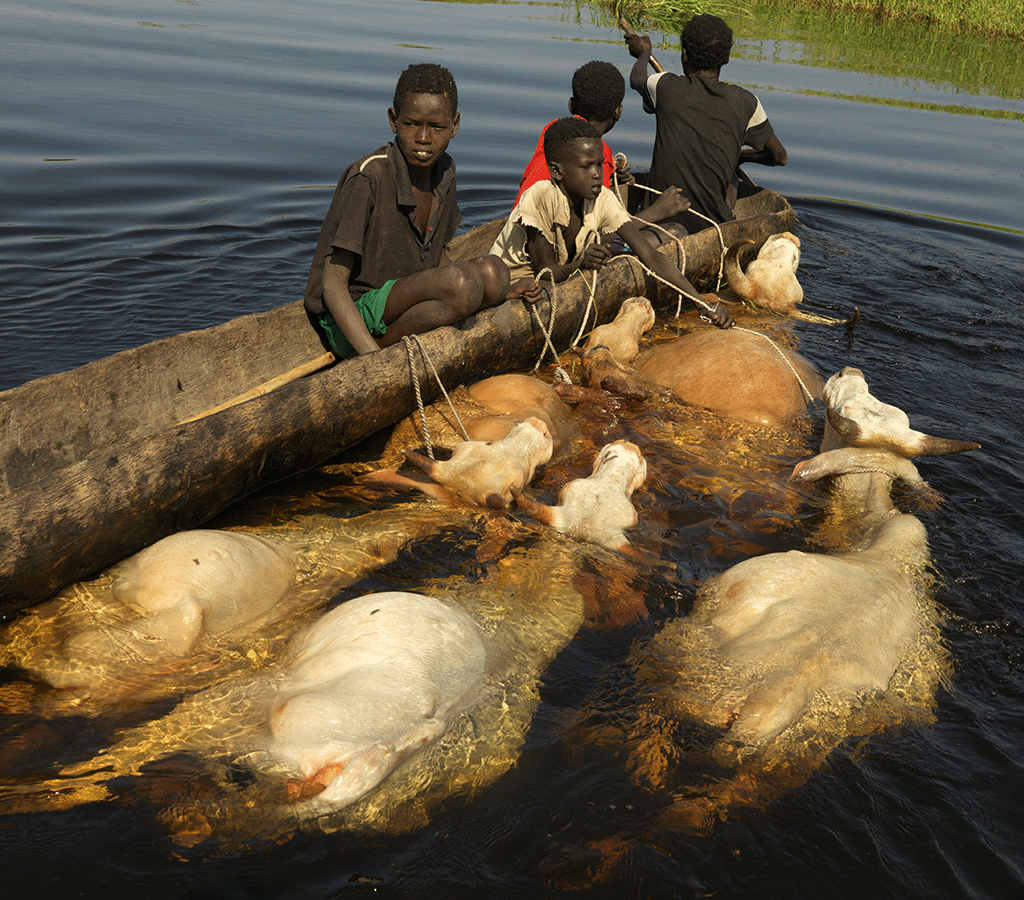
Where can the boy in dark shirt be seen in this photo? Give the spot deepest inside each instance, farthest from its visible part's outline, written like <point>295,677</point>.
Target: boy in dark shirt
<point>702,123</point>
<point>380,271</point>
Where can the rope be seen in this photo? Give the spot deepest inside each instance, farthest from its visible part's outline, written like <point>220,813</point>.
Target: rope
<point>615,176</point>
<point>700,302</point>
<point>718,229</point>
<point>697,301</point>
<point>785,359</point>
<point>561,374</point>
<point>591,302</point>
<point>419,398</point>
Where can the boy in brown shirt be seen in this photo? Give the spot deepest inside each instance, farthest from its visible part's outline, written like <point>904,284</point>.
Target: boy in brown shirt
<point>380,271</point>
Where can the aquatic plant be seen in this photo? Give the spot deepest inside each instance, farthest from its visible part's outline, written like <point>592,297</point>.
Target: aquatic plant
<point>994,17</point>
<point>669,16</point>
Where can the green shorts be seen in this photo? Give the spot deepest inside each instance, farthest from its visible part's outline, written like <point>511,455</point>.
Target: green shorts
<point>371,308</point>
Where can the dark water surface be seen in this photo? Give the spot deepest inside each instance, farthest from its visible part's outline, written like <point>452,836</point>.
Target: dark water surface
<point>165,166</point>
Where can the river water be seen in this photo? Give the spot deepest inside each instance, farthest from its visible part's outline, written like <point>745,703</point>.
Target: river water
<point>165,166</point>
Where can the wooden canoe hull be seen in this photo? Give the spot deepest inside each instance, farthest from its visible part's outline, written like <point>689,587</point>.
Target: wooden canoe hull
<point>96,466</point>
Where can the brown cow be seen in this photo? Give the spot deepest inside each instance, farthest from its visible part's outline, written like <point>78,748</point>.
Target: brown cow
<point>739,374</point>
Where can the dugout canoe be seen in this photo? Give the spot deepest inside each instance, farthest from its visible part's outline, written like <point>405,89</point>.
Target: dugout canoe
<point>101,461</point>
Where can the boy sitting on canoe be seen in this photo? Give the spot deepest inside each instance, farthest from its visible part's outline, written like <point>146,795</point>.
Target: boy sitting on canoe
<point>598,90</point>
<point>703,123</point>
<point>380,271</point>
<point>559,224</point>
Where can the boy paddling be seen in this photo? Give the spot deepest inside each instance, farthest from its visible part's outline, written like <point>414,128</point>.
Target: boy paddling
<point>559,224</point>
<point>380,271</point>
<point>705,126</point>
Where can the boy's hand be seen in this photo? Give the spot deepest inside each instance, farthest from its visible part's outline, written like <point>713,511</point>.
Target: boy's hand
<point>526,289</point>
<point>622,173</point>
<point>718,316</point>
<point>670,203</point>
<point>595,256</point>
<point>639,44</point>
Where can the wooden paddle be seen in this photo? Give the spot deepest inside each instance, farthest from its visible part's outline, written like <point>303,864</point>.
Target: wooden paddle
<point>629,30</point>
<point>307,368</point>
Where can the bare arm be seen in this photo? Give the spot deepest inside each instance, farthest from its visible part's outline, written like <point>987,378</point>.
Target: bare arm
<point>660,265</point>
<point>670,203</point>
<point>542,256</point>
<point>774,154</point>
<point>337,270</point>
<point>640,48</point>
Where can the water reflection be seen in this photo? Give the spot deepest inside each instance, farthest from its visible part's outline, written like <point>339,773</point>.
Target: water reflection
<point>228,189</point>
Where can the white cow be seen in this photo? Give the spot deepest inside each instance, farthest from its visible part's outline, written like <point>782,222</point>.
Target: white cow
<point>197,605</point>
<point>788,653</point>
<point>373,680</point>
<point>597,508</point>
<point>835,624</point>
<point>479,472</point>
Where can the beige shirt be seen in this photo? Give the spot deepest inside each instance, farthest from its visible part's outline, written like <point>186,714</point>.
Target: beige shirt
<point>546,208</point>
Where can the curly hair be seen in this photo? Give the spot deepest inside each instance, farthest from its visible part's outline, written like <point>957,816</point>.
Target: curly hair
<point>563,133</point>
<point>597,90</point>
<point>707,41</point>
<point>426,78</point>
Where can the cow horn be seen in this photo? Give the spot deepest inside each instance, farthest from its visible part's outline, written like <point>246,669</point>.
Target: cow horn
<point>846,428</point>
<point>734,275</point>
<point>911,443</point>
<point>533,507</point>
<point>936,446</point>
<point>857,461</point>
<point>421,462</point>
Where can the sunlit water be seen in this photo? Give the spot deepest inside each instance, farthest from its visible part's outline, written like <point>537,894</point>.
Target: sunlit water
<point>166,165</point>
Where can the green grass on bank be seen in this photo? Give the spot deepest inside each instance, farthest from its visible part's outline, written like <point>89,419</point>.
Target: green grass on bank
<point>989,17</point>
<point>803,33</point>
<point>983,17</point>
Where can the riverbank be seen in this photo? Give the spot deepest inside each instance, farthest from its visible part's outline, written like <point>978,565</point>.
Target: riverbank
<point>1003,18</point>
<point>995,18</point>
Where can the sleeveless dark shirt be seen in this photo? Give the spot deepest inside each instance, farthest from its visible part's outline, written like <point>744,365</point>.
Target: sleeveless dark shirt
<point>701,126</point>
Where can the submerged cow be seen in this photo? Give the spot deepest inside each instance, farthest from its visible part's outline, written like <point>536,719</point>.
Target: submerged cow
<point>607,356</point>
<point>787,654</point>
<point>486,410</point>
<point>484,473</point>
<point>597,508</point>
<point>622,335</point>
<point>739,374</point>
<point>373,680</point>
<point>840,623</point>
<point>197,604</point>
<point>770,280</point>
<point>385,706</point>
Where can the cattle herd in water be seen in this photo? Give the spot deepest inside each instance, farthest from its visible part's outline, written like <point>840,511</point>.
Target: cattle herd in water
<point>368,712</point>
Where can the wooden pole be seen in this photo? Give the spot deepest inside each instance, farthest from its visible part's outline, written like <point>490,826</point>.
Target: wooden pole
<point>629,30</point>
<point>307,368</point>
